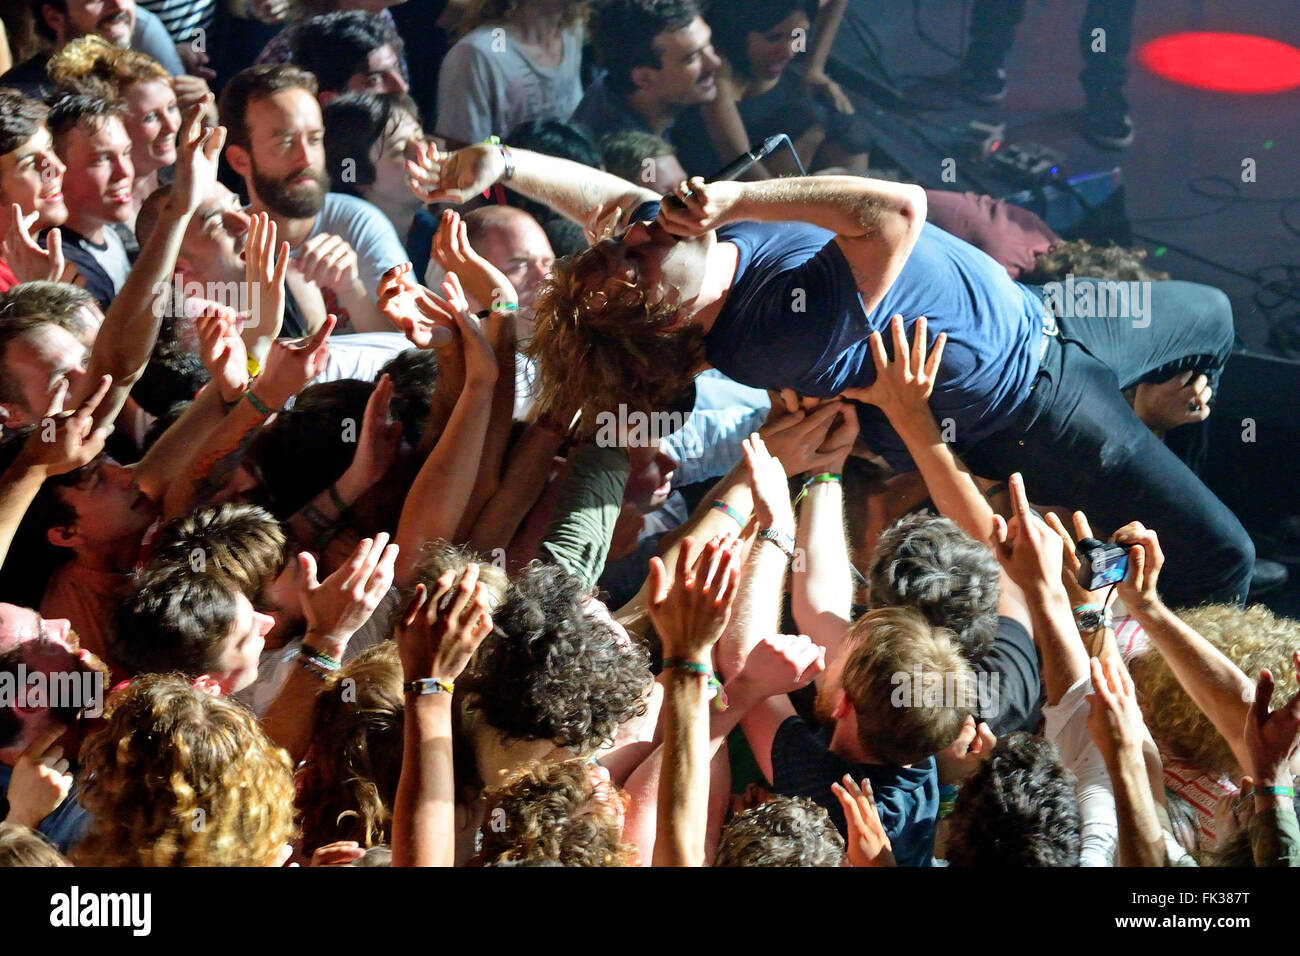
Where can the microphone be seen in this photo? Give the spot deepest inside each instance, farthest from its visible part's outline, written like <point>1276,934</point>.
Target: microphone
<point>738,166</point>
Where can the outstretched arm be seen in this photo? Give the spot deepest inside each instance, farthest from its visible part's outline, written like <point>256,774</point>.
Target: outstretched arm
<point>130,329</point>
<point>876,223</point>
<point>567,187</point>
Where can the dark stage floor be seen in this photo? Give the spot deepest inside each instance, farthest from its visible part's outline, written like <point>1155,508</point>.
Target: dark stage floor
<point>1182,134</point>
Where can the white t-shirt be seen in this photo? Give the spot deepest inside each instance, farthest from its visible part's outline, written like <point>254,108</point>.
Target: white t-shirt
<point>488,86</point>
<point>1066,725</point>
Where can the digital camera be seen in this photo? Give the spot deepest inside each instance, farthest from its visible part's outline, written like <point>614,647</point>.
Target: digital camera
<point>1100,564</point>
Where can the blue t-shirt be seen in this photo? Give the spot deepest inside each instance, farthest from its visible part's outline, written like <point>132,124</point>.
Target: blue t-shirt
<point>907,798</point>
<point>794,319</point>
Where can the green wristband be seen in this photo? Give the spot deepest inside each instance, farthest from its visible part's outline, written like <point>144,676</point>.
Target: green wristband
<point>1278,791</point>
<point>257,403</point>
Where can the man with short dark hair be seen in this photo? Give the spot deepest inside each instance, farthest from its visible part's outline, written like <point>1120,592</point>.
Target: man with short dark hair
<point>341,243</point>
<point>91,139</point>
<point>350,51</point>
<point>659,60</point>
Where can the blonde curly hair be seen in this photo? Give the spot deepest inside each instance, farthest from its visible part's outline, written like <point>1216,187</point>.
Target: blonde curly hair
<point>554,811</point>
<point>479,12</point>
<point>177,777</point>
<point>92,60</point>
<point>1252,638</point>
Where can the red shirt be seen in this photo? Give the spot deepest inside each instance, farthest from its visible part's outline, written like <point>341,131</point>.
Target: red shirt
<point>7,278</point>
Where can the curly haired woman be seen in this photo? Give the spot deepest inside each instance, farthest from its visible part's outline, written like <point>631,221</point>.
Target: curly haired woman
<point>180,778</point>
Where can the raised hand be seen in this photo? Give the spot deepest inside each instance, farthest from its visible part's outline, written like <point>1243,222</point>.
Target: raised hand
<point>435,176</point>
<point>198,152</point>
<point>223,354</point>
<point>481,279</point>
<point>28,260</point>
<point>378,444</point>
<point>974,744</point>
<point>868,843</point>
<point>329,261</point>
<point>767,479</point>
<point>781,664</point>
<point>265,266</point>
<point>903,386</point>
<point>426,320</point>
<point>480,358</point>
<point>291,365</point>
<point>1070,561</point>
<point>691,608</point>
<point>798,438</point>
<point>1145,559</point>
<point>439,632</point>
<point>40,780</point>
<point>840,439</point>
<point>64,441</point>
<point>1272,738</point>
<point>339,853</point>
<point>1114,719</point>
<point>698,207</point>
<point>336,607</point>
<point>1029,551</point>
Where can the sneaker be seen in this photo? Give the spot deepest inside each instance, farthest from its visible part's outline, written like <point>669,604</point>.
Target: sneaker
<point>977,85</point>
<point>1106,123</point>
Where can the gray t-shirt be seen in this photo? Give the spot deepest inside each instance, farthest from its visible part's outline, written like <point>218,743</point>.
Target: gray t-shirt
<point>367,230</point>
<point>487,85</point>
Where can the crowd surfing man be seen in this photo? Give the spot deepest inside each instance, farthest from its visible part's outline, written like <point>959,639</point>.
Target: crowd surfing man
<point>779,284</point>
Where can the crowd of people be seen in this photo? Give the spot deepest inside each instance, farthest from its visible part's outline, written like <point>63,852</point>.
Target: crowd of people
<point>410,459</point>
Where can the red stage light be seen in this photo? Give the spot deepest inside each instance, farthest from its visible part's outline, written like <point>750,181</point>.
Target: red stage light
<point>1226,62</point>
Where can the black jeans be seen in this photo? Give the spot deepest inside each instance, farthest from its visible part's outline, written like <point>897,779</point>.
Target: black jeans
<point>993,30</point>
<point>1079,444</point>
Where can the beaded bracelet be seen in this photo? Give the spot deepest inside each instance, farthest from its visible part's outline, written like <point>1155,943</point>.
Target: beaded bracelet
<point>320,657</point>
<point>731,512</point>
<point>314,667</point>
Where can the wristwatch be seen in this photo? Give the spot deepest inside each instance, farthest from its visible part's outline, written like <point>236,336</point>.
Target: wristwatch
<point>1089,621</point>
<point>781,539</point>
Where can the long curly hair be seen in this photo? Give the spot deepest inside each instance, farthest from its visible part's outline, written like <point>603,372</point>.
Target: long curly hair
<point>1252,638</point>
<point>595,351</point>
<point>550,670</point>
<point>177,777</point>
<point>554,811</point>
<point>347,785</point>
<point>1080,258</point>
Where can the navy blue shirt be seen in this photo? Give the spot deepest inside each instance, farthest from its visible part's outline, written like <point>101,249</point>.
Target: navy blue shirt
<point>907,798</point>
<point>794,319</point>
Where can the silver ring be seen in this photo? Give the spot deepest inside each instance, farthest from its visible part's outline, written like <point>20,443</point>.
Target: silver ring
<point>1193,406</point>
